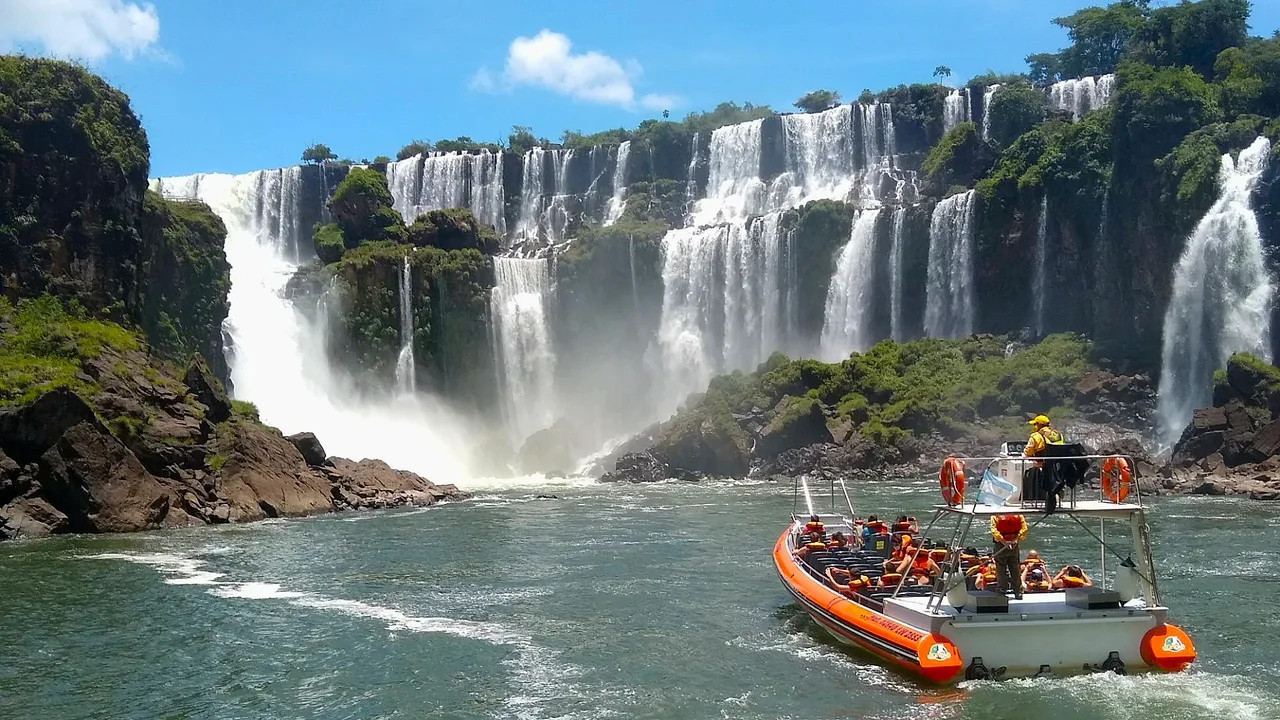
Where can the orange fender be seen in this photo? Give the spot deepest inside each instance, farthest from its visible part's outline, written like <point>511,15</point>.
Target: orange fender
<point>1167,648</point>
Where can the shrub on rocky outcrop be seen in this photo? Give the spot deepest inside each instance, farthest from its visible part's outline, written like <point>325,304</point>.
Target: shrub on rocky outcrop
<point>960,158</point>
<point>362,207</point>
<point>453,229</point>
<point>329,243</point>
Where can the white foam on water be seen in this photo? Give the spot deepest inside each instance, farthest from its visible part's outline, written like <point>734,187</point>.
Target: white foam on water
<point>254,591</point>
<point>177,569</point>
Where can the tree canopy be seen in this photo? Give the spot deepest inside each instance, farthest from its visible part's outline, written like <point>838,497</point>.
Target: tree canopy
<point>362,208</point>
<point>417,147</point>
<point>818,100</point>
<point>318,153</point>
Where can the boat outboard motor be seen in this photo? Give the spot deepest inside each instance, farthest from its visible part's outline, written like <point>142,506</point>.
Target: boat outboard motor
<point>1127,580</point>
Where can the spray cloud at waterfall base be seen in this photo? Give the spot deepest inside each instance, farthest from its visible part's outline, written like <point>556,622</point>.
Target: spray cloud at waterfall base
<point>277,354</point>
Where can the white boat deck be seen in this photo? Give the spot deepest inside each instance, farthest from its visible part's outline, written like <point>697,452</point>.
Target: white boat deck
<point>1050,606</point>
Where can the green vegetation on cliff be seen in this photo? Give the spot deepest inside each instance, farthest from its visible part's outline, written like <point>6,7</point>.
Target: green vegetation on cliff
<point>184,301</point>
<point>453,229</point>
<point>890,393</point>
<point>43,344</point>
<point>362,208</point>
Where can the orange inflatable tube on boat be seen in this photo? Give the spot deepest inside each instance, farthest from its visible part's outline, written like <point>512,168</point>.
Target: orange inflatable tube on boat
<point>932,656</point>
<point>1166,647</point>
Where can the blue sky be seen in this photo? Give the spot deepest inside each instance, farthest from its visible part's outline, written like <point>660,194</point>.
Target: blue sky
<point>234,85</point>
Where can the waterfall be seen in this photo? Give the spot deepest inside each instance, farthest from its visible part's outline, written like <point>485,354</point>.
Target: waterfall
<point>949,292</point>
<point>635,290</point>
<point>819,156</point>
<point>406,380</point>
<point>447,180</point>
<point>617,203</point>
<point>544,212</point>
<point>279,360</point>
<point>734,188</point>
<point>895,276</point>
<point>955,109</point>
<point>988,94</point>
<point>725,300</point>
<point>1040,279</point>
<point>1221,297</point>
<point>691,179</point>
<point>1081,95</point>
<point>522,336</point>
<point>848,309</point>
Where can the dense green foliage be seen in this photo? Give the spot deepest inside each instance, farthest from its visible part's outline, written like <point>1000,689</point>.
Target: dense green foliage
<point>1015,109</point>
<point>521,140</point>
<point>895,390</point>
<point>818,100</point>
<point>42,344</point>
<point>362,208</point>
<point>329,243</point>
<point>416,147</point>
<point>453,229</point>
<point>960,158</point>
<point>184,299</point>
<point>318,153</point>
<point>1156,108</point>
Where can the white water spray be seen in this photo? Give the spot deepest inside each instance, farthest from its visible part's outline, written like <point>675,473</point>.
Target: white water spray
<point>988,94</point>
<point>949,292</point>
<point>847,325</point>
<point>1222,294</point>
<point>522,337</point>
<point>617,202</point>
<point>1081,95</point>
<point>406,372</point>
<point>895,276</point>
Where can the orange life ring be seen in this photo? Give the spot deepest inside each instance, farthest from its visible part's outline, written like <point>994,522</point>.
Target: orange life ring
<point>952,480</point>
<point>1116,479</point>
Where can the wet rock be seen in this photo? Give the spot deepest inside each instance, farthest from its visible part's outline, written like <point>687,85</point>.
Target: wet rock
<point>99,484</point>
<point>797,422</point>
<point>27,432</point>
<point>310,448</point>
<point>1125,400</point>
<point>1210,487</point>
<point>637,467</point>
<point>1266,441</point>
<point>206,388</point>
<point>264,475</point>
<point>31,518</point>
<point>374,484</point>
<point>707,446</point>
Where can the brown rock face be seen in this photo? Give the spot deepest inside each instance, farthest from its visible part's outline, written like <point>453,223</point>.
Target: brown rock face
<point>265,476</point>
<point>99,484</point>
<point>374,484</point>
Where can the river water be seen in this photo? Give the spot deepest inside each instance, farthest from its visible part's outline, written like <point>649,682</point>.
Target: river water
<point>611,601</point>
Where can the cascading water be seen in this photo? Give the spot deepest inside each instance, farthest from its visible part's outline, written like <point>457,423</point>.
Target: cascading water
<point>522,339</point>
<point>955,109</point>
<point>1222,294</point>
<point>544,212</point>
<point>819,158</point>
<point>848,309</point>
<point>895,275</point>
<point>734,188</point>
<point>988,94</point>
<point>617,203</point>
<point>279,360</point>
<point>949,291</point>
<point>1081,95</point>
<point>1040,278</point>
<point>406,372</point>
<point>446,180</point>
<point>691,179</point>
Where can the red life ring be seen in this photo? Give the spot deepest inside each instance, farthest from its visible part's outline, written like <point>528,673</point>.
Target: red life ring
<point>952,480</point>
<point>1116,479</point>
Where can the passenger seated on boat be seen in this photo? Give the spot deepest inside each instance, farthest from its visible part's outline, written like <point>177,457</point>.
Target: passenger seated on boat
<point>913,525</point>
<point>902,548</point>
<point>811,543</point>
<point>901,524</point>
<point>873,527</point>
<point>815,526</point>
<point>1071,576</point>
<point>969,559</point>
<point>938,554</point>
<point>838,540</point>
<point>846,582</point>
<point>1036,580</point>
<point>1033,560</point>
<point>890,580</point>
<point>920,569</point>
<point>988,575</point>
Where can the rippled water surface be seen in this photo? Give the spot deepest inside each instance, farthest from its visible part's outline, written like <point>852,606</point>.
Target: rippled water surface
<point>611,601</point>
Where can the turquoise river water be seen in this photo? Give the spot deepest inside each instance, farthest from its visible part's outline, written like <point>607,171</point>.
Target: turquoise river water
<point>609,602</point>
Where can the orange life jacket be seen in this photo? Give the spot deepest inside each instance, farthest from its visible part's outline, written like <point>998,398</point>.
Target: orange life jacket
<point>1009,526</point>
<point>920,566</point>
<point>1072,581</point>
<point>815,527</point>
<point>815,545</point>
<point>890,579</point>
<point>902,527</point>
<point>878,528</point>
<point>989,573</point>
<point>837,543</point>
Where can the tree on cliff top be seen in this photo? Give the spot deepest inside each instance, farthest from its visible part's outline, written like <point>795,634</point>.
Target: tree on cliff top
<point>942,71</point>
<point>417,147</point>
<point>818,100</point>
<point>521,140</point>
<point>1015,109</point>
<point>362,207</point>
<point>318,153</point>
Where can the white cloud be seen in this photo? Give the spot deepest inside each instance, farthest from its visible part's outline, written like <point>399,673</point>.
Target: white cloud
<point>547,60</point>
<point>86,29</point>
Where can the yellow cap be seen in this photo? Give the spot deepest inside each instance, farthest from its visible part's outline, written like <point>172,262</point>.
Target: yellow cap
<point>1039,420</point>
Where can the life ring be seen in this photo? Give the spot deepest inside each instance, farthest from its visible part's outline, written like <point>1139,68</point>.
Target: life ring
<point>952,480</point>
<point>1116,479</point>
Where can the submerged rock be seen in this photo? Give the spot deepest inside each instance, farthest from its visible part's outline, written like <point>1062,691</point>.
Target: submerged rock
<point>637,467</point>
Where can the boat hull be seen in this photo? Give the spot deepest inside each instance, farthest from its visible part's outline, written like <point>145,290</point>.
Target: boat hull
<point>945,649</point>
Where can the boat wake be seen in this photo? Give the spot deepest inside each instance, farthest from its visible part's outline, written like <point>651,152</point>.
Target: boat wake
<point>537,675</point>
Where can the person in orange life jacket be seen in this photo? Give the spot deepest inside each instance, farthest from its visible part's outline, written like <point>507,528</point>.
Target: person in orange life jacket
<point>1033,560</point>
<point>846,582</point>
<point>988,575</point>
<point>1008,531</point>
<point>1071,576</point>
<point>815,526</point>
<point>873,527</point>
<point>837,541</point>
<point>812,544</point>
<point>921,569</point>
<point>1037,580</point>
<point>903,549</point>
